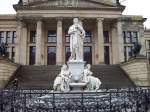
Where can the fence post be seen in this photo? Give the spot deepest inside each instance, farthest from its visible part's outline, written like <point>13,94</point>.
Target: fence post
<point>1,100</point>
<point>110,102</point>
<point>14,88</point>
<point>82,103</point>
<point>146,100</point>
<point>53,102</point>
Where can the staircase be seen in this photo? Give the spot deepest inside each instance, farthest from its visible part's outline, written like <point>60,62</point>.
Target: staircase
<point>42,77</point>
<point>112,76</point>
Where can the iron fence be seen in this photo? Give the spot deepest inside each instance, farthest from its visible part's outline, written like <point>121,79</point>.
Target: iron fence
<point>105,100</point>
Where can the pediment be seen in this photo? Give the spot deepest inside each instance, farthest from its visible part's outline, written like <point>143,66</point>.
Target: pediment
<point>63,4</point>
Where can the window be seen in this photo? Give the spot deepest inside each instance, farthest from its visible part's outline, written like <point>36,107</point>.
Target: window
<point>32,55</point>
<point>106,36</point>
<point>125,53</point>
<point>148,44</point>
<point>88,54</point>
<point>51,55</point>
<point>1,37</point>
<point>130,37</point>
<point>13,54</point>
<point>8,37</point>
<point>148,56</point>
<point>51,36</point>
<point>106,55</point>
<point>124,37</point>
<point>128,52</point>
<point>14,37</point>
<point>88,37</point>
<point>68,53</point>
<point>67,37</point>
<point>134,37</point>
<point>32,36</point>
<point>8,50</point>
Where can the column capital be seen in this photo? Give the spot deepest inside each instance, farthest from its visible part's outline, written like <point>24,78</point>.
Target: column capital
<point>39,20</point>
<point>21,23</point>
<point>59,18</point>
<point>119,19</point>
<point>99,19</point>
<point>82,18</point>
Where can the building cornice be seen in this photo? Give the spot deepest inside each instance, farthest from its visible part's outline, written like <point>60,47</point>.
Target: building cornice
<point>67,8</point>
<point>8,17</point>
<point>132,18</point>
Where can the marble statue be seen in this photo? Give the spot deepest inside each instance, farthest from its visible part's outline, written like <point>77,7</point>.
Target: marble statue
<point>93,83</point>
<point>86,73</point>
<point>75,76</point>
<point>61,82</point>
<point>77,35</point>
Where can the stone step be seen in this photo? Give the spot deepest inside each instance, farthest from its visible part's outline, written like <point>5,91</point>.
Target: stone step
<point>38,77</point>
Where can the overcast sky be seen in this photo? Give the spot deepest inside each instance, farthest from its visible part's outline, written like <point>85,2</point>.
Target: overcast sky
<point>133,7</point>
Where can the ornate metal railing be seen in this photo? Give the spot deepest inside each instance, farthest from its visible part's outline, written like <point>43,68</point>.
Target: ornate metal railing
<point>105,100</point>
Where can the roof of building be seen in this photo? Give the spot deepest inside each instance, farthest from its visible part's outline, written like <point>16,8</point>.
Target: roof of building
<point>7,16</point>
<point>133,18</point>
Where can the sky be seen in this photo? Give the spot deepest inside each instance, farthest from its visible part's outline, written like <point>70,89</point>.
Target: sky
<point>133,7</point>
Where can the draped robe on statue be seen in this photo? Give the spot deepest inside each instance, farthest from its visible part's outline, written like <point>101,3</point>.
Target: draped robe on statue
<point>77,35</point>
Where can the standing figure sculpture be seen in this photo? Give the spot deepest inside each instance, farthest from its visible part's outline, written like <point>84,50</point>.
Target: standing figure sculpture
<point>77,35</point>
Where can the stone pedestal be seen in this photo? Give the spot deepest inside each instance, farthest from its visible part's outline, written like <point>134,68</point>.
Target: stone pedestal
<point>77,86</point>
<point>76,69</point>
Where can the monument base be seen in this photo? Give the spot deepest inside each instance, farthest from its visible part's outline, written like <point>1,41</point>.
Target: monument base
<point>77,86</point>
<point>76,68</point>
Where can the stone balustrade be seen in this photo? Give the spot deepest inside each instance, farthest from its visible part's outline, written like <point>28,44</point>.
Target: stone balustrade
<point>7,69</point>
<point>138,70</point>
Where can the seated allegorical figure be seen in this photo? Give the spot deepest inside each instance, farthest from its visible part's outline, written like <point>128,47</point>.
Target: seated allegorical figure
<point>93,83</point>
<point>61,82</point>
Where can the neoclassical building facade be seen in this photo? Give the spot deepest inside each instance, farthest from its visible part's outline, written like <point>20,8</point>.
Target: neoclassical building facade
<point>38,33</point>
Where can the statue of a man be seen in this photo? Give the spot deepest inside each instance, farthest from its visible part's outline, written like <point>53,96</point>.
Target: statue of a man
<point>77,35</point>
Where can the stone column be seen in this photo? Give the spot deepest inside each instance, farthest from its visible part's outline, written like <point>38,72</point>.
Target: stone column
<point>100,41</point>
<point>141,40</point>
<point>117,43</point>
<point>18,39</point>
<point>23,46</point>
<point>59,47</point>
<point>120,41</point>
<point>39,60</point>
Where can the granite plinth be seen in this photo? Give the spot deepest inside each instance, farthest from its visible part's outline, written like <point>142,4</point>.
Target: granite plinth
<point>77,86</point>
<point>76,69</point>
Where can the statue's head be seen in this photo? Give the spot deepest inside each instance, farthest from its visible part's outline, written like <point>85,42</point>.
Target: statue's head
<point>64,67</point>
<point>88,66</point>
<point>75,20</point>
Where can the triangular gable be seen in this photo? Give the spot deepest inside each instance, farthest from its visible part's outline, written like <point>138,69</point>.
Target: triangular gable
<point>70,3</point>
<point>54,4</point>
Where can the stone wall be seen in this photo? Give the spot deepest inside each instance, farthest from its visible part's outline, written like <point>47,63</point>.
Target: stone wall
<point>138,70</point>
<point>7,69</point>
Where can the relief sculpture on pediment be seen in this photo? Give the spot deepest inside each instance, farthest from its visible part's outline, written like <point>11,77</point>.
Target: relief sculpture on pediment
<point>67,2</point>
